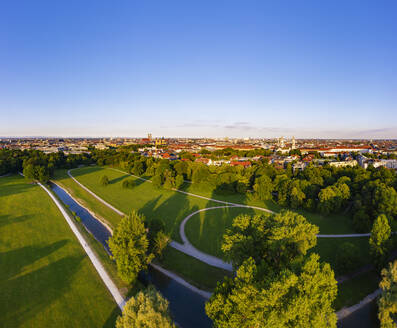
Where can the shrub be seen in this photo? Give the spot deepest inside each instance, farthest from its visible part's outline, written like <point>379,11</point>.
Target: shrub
<point>128,184</point>
<point>104,180</point>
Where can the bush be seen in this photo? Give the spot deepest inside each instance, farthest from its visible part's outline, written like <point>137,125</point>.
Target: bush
<point>128,184</point>
<point>104,180</point>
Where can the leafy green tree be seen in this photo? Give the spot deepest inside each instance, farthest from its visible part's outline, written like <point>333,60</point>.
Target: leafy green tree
<point>128,183</point>
<point>147,309</point>
<point>299,297</point>
<point>157,181</point>
<point>179,181</point>
<point>380,239</point>
<point>275,238</point>
<point>28,171</point>
<point>263,187</point>
<point>387,303</point>
<point>104,180</point>
<point>160,243</point>
<point>129,246</point>
<point>138,168</point>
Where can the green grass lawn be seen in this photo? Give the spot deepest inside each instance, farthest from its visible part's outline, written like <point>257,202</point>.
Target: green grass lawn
<point>46,279</point>
<point>192,270</point>
<point>205,230</point>
<point>354,290</point>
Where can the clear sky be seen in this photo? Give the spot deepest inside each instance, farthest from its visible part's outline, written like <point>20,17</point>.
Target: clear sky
<point>199,68</point>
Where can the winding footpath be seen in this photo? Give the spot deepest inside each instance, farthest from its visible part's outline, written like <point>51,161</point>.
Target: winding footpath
<point>187,247</point>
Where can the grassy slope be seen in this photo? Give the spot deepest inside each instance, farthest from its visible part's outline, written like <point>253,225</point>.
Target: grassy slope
<point>46,280</point>
<point>205,229</point>
<point>196,272</point>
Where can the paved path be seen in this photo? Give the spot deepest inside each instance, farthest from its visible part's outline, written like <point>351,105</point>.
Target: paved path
<point>181,281</point>
<point>95,195</point>
<point>95,261</point>
<point>187,247</point>
<point>344,312</point>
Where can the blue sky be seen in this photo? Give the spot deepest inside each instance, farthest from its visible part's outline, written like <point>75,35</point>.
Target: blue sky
<point>199,68</point>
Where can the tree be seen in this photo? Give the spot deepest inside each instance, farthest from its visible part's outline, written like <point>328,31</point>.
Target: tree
<point>160,243</point>
<point>179,181</point>
<point>104,180</point>
<point>275,238</point>
<point>28,171</point>
<point>157,181</point>
<point>300,297</point>
<point>129,245</point>
<point>387,303</point>
<point>138,168</point>
<point>263,187</point>
<point>128,183</point>
<point>379,240</point>
<point>148,309</point>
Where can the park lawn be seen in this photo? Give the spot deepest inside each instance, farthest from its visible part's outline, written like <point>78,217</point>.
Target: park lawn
<point>192,270</point>
<point>85,198</point>
<point>46,279</point>
<point>155,203</point>
<point>356,289</point>
<point>330,224</point>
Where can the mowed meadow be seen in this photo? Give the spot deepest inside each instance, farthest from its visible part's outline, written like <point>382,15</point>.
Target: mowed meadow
<point>205,229</point>
<point>46,279</point>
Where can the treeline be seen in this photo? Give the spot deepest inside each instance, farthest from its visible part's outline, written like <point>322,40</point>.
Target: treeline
<point>37,165</point>
<point>363,194</point>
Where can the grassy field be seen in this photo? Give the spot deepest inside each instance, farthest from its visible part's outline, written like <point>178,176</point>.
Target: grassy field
<point>172,207</point>
<point>46,279</point>
<point>205,230</point>
<point>353,291</point>
<point>194,271</point>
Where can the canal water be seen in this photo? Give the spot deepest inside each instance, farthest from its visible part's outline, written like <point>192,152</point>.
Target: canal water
<point>187,307</point>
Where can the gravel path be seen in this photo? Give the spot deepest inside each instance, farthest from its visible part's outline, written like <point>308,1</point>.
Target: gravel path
<point>344,312</point>
<point>95,261</point>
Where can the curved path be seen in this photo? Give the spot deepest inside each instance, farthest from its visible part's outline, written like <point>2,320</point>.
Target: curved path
<point>187,247</point>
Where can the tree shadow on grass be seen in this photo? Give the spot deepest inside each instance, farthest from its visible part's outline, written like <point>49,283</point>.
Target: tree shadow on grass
<point>9,219</point>
<point>13,189</point>
<point>85,171</point>
<point>111,320</point>
<point>113,181</point>
<point>25,296</point>
<point>13,262</point>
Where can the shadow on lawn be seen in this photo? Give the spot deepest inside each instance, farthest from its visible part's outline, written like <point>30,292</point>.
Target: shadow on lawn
<point>23,297</point>
<point>8,219</point>
<point>111,320</point>
<point>113,181</point>
<point>13,189</point>
<point>13,262</point>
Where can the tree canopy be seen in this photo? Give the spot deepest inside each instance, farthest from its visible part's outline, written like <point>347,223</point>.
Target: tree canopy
<point>275,238</point>
<point>387,303</point>
<point>300,297</point>
<point>148,309</point>
<point>129,246</point>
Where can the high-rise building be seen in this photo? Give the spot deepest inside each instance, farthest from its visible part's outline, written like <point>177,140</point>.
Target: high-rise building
<point>293,143</point>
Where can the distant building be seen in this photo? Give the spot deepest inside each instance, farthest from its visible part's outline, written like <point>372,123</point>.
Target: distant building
<point>344,163</point>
